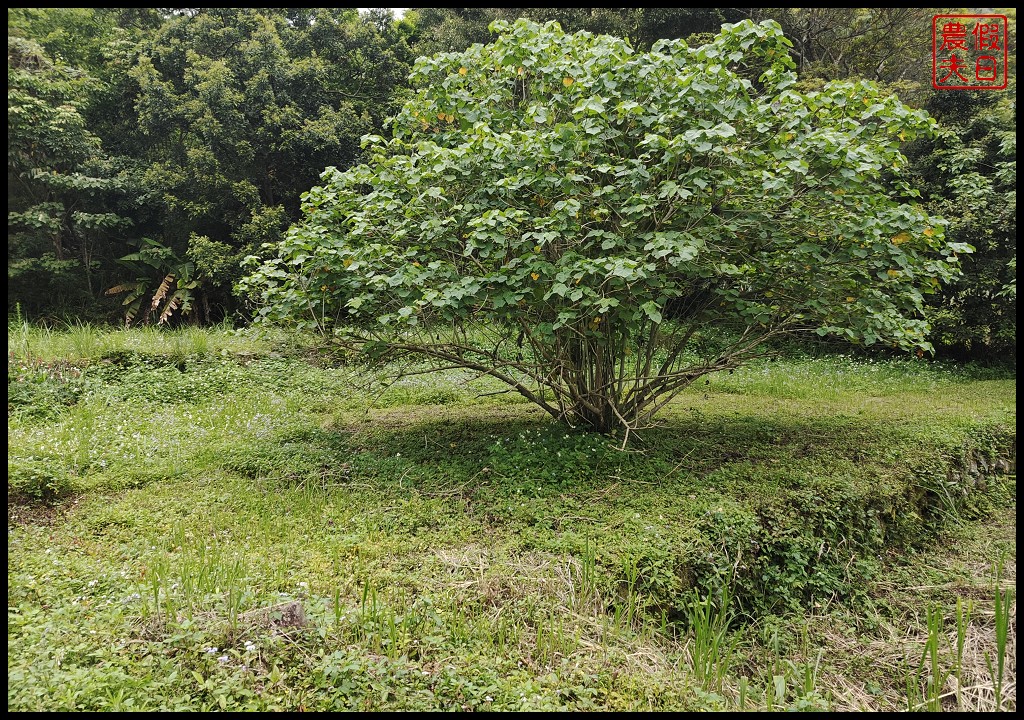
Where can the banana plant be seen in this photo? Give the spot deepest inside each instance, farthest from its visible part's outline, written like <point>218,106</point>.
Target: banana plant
<point>175,291</point>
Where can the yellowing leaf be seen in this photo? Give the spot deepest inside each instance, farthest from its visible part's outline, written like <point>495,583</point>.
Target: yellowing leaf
<point>536,248</point>
<point>597,321</point>
<point>928,232</point>
<point>462,71</point>
<point>789,136</point>
<point>901,238</point>
<point>893,273</point>
<point>534,275</point>
<point>850,299</point>
<point>416,263</point>
<point>568,81</point>
<point>348,261</point>
<point>440,116</point>
<point>519,71</point>
<point>902,135</point>
<point>449,118</point>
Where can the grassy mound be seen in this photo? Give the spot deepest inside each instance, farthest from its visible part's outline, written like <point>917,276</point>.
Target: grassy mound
<point>230,522</point>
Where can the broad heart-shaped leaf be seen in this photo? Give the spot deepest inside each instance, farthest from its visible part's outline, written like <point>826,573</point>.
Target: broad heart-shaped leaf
<point>656,198</point>
<point>652,311</point>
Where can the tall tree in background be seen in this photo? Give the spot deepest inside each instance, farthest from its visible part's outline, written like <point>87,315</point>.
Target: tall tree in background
<point>969,175</point>
<point>240,110</point>
<point>62,190</point>
<point>455,29</point>
<point>80,37</point>
<point>201,126</point>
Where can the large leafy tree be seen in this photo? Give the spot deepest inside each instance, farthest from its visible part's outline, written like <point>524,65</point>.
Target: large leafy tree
<point>63,191</point>
<point>598,227</point>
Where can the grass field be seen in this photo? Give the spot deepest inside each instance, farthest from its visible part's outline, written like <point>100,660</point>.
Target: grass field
<point>211,519</point>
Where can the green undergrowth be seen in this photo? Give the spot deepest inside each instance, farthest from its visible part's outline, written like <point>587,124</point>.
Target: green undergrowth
<point>239,522</point>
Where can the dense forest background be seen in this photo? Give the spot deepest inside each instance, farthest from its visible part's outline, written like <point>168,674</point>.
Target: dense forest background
<point>151,149</point>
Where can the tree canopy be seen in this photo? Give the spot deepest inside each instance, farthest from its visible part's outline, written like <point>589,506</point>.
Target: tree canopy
<point>61,186</point>
<point>212,121</point>
<point>968,173</point>
<point>598,226</point>
<point>151,149</point>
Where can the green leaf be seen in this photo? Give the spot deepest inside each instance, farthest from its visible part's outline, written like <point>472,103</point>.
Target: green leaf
<point>652,311</point>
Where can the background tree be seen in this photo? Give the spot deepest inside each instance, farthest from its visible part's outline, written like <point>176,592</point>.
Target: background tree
<point>436,30</point>
<point>205,125</point>
<point>61,187</point>
<point>887,45</point>
<point>599,227</point>
<point>239,111</point>
<point>969,175</point>
<point>80,37</point>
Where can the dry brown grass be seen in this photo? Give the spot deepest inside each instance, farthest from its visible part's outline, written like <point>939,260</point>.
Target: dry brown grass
<point>562,619</point>
<point>869,670</point>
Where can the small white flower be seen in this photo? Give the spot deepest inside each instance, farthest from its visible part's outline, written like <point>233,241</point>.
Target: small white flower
<point>211,650</point>
<point>223,659</point>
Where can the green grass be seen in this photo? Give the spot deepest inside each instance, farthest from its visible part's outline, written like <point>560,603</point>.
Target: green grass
<point>210,519</point>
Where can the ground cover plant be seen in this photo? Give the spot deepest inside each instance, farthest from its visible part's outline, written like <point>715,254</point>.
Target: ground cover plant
<point>213,519</point>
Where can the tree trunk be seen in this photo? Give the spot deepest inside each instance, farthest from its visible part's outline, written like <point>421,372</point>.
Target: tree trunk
<point>603,420</point>
<point>596,402</point>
